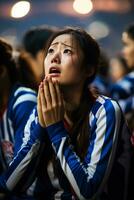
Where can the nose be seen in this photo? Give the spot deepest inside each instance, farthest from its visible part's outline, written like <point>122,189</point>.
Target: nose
<point>56,58</point>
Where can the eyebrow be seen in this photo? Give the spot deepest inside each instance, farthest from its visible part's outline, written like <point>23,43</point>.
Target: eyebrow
<point>62,44</point>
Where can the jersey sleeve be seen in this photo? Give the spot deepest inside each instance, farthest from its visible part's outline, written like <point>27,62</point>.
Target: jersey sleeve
<point>22,169</point>
<point>25,100</point>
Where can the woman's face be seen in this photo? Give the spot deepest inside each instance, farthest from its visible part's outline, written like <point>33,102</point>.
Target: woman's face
<point>64,61</point>
<point>128,49</point>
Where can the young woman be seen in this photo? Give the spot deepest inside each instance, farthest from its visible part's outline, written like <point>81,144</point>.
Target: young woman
<point>72,140</point>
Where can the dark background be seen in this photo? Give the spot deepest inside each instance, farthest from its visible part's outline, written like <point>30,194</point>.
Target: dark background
<point>115,14</point>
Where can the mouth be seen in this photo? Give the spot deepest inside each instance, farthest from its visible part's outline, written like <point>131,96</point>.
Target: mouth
<point>54,71</point>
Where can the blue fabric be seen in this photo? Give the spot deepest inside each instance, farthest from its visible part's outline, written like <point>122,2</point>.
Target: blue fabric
<point>123,91</point>
<point>21,102</point>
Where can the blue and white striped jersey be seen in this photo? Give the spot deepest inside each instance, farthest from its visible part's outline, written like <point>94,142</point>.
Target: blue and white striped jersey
<point>75,179</point>
<point>20,104</point>
<point>123,91</point>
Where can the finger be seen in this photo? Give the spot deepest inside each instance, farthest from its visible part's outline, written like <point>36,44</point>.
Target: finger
<point>58,92</point>
<point>39,109</point>
<point>39,101</point>
<point>47,95</point>
<point>38,98</point>
<point>43,102</point>
<point>53,92</point>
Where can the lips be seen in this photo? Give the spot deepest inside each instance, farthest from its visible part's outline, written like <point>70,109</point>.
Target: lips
<point>54,70</point>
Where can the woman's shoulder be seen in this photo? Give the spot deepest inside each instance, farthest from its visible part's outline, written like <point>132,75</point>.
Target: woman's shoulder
<point>19,89</point>
<point>20,94</point>
<point>104,103</point>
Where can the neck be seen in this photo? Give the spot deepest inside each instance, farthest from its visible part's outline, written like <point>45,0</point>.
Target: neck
<point>72,97</point>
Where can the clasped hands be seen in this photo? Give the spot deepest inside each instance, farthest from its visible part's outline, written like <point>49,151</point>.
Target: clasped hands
<point>50,105</point>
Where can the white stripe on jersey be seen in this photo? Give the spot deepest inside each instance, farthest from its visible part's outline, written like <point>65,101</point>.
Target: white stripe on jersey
<point>23,89</point>
<point>117,118</point>
<point>11,129</point>
<point>6,134</point>
<point>53,178</point>
<point>11,182</point>
<point>25,97</point>
<point>57,196</point>
<point>28,128</point>
<point>98,143</point>
<point>67,169</point>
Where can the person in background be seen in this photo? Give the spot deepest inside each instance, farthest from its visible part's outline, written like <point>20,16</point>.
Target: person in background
<point>32,54</point>
<point>118,68</point>
<point>73,138</point>
<point>102,82</point>
<point>123,90</point>
<point>16,104</point>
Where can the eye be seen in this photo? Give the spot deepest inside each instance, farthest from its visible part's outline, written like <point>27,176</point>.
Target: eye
<point>50,50</point>
<point>68,51</point>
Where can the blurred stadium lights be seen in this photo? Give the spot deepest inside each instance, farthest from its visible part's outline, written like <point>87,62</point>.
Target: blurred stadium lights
<point>83,7</point>
<point>98,29</point>
<point>20,9</point>
<point>119,6</point>
<point>105,21</point>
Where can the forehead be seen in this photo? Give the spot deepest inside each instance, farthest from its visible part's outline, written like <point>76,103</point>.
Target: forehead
<point>65,39</point>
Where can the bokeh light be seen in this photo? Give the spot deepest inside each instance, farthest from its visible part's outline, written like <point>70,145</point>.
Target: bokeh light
<point>20,9</point>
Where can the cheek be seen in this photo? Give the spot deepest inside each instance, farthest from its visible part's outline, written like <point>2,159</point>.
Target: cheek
<point>74,75</point>
<point>70,73</point>
<point>46,67</point>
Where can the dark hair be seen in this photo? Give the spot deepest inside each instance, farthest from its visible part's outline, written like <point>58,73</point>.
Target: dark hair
<point>6,59</point>
<point>88,45</point>
<point>26,75</point>
<point>130,31</point>
<point>35,38</point>
<point>103,65</point>
<point>80,130</point>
